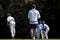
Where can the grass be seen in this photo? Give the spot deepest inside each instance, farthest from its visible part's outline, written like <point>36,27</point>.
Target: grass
<point>28,39</point>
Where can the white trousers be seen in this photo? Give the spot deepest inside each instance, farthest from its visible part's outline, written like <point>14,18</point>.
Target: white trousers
<point>44,34</point>
<point>12,28</point>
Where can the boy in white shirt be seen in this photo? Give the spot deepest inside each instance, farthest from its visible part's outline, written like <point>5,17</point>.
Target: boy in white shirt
<point>44,30</point>
<point>11,23</point>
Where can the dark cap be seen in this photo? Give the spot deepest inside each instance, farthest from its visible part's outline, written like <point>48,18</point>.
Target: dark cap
<point>8,14</point>
<point>33,6</point>
<point>43,22</point>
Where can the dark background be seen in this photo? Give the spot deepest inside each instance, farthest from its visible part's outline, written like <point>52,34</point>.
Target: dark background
<point>49,10</point>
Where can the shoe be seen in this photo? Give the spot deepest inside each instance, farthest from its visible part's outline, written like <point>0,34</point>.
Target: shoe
<point>33,38</point>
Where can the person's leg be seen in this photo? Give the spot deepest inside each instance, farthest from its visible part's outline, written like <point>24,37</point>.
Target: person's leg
<point>12,33</point>
<point>42,34</point>
<point>36,31</point>
<point>13,25</point>
<point>14,29</point>
<point>31,32</point>
<point>34,34</point>
<point>39,32</point>
<point>46,35</point>
<point>38,35</point>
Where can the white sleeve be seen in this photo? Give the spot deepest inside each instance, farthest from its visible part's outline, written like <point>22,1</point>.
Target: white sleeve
<point>47,28</point>
<point>38,14</point>
<point>8,19</point>
<point>29,15</point>
<point>40,26</point>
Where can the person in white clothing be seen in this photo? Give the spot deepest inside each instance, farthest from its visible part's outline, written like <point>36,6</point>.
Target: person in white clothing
<point>39,29</point>
<point>11,23</point>
<point>33,16</point>
<point>44,30</point>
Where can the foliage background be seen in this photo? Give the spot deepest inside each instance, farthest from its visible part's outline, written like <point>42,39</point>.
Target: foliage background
<point>49,10</point>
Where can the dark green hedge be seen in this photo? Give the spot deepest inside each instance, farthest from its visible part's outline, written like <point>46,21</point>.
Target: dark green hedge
<point>19,9</point>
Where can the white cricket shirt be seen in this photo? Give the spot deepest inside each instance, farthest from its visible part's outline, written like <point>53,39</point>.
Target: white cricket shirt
<point>33,16</point>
